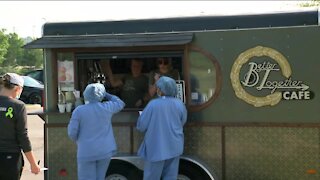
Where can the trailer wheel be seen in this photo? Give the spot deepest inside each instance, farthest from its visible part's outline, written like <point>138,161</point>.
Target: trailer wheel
<point>190,171</point>
<point>119,170</point>
<point>35,98</point>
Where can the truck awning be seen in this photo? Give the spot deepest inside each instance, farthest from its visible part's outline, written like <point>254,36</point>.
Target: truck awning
<point>110,40</point>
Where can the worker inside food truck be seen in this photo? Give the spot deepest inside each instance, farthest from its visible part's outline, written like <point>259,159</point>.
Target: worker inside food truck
<point>134,85</point>
<point>132,79</point>
<point>165,68</point>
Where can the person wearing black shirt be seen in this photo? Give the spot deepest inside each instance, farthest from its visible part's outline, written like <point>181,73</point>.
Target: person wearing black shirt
<point>134,86</point>
<point>13,129</point>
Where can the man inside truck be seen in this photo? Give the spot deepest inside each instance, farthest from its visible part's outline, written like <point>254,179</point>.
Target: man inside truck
<point>134,86</point>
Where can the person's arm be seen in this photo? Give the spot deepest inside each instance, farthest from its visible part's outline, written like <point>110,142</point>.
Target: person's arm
<point>35,168</point>
<point>153,77</point>
<point>73,126</point>
<point>23,139</point>
<point>184,114</point>
<point>152,91</point>
<point>106,67</point>
<point>115,104</point>
<point>21,128</point>
<point>144,119</point>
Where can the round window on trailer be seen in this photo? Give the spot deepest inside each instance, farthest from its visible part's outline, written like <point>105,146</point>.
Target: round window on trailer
<point>204,78</point>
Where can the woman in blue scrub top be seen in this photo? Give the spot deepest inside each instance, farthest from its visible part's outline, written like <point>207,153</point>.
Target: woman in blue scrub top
<point>162,121</point>
<point>90,127</point>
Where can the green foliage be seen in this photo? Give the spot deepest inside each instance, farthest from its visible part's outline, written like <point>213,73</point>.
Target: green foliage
<point>16,69</point>
<point>4,44</point>
<point>32,57</point>
<point>14,51</point>
<point>14,58</point>
<point>312,3</point>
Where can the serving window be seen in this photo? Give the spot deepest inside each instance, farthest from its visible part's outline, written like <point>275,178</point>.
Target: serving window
<point>124,79</point>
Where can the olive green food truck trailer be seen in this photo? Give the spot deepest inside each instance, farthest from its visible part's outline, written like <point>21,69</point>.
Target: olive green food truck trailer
<point>250,83</point>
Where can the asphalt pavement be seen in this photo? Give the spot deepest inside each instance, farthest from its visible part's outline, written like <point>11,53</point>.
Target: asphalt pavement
<point>35,129</point>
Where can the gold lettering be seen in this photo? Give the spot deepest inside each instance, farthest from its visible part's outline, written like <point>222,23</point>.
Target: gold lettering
<point>243,58</point>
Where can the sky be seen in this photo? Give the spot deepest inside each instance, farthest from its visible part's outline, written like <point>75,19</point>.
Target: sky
<point>27,17</point>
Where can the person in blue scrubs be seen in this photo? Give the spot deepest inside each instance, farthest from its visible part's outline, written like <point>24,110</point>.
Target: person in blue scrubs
<point>90,127</point>
<point>162,121</point>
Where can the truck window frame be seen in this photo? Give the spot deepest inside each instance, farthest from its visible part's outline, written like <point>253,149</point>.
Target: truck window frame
<point>146,56</point>
<point>215,62</point>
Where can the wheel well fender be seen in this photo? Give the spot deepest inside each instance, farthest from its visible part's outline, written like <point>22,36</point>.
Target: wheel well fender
<point>124,168</point>
<point>198,166</point>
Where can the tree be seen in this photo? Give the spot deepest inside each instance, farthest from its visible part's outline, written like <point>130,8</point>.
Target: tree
<point>15,52</point>
<point>14,58</point>
<point>4,44</point>
<point>32,57</point>
<point>313,3</point>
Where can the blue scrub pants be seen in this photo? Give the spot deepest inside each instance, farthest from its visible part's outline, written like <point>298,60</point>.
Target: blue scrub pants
<point>93,170</point>
<point>167,169</point>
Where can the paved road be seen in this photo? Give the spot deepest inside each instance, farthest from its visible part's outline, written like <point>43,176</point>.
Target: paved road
<point>35,126</point>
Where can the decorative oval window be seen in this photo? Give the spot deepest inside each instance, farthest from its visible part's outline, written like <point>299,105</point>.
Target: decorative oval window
<point>205,79</point>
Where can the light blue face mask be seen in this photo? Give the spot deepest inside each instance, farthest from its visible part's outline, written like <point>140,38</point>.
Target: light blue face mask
<point>18,96</point>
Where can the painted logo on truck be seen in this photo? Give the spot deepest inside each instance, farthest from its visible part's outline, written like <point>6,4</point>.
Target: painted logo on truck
<point>259,76</point>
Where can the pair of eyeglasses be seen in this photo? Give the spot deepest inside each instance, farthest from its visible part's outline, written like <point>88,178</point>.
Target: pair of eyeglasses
<point>164,62</point>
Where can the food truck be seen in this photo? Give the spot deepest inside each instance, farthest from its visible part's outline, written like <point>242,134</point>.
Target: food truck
<point>250,84</point>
